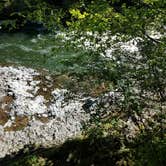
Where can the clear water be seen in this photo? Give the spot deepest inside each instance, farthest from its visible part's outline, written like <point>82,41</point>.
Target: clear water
<point>34,51</point>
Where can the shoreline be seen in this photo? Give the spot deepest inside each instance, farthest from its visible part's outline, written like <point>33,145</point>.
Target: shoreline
<point>28,118</point>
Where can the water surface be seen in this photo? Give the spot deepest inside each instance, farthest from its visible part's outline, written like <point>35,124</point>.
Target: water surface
<point>33,50</point>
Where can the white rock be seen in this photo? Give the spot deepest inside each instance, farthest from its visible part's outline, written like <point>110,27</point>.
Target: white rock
<point>68,115</point>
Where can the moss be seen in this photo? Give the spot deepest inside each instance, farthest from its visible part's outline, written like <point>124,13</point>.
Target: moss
<point>43,119</point>
<point>99,89</point>
<point>46,86</point>
<point>19,123</point>
<point>3,117</point>
<point>7,101</point>
<point>90,86</point>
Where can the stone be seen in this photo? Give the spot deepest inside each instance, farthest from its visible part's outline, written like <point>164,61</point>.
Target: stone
<point>32,119</point>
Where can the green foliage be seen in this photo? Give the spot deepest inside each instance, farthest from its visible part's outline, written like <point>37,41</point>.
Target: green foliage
<point>150,150</point>
<point>138,77</point>
<point>20,12</point>
<point>31,160</point>
<point>117,16</point>
<point>132,20</point>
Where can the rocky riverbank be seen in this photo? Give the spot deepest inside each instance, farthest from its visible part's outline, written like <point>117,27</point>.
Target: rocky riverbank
<point>28,116</point>
<point>35,109</point>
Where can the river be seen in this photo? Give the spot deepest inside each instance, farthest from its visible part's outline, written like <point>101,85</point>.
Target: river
<point>33,50</point>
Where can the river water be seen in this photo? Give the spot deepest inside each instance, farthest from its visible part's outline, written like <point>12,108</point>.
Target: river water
<point>55,52</point>
<point>33,50</point>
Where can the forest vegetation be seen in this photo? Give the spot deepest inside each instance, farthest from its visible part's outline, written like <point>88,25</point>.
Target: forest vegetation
<point>140,77</point>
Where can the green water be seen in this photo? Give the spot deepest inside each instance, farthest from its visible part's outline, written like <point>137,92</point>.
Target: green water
<point>34,51</point>
<point>49,52</point>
